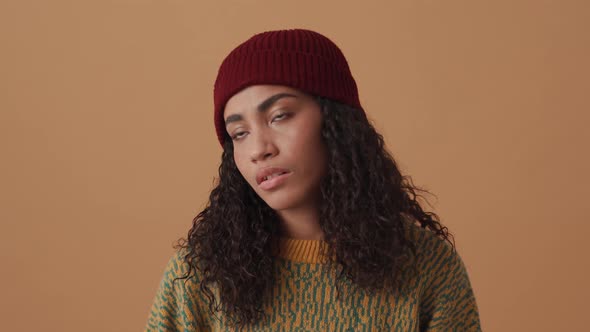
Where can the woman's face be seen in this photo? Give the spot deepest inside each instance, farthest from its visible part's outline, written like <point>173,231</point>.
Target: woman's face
<point>278,126</point>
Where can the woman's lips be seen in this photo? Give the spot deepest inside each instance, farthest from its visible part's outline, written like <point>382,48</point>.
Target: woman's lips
<point>274,182</point>
<point>267,171</point>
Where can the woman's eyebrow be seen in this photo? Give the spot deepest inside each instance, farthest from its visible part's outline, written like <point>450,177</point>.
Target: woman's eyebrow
<point>263,107</point>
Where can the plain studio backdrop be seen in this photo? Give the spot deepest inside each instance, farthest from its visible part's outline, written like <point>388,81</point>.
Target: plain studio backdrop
<point>108,145</point>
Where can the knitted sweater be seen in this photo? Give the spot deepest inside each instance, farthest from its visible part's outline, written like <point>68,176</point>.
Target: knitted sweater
<point>438,298</point>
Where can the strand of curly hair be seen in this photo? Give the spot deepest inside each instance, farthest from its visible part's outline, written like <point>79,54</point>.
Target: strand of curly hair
<point>365,201</point>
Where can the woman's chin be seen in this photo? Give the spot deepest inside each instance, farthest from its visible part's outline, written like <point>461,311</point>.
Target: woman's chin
<point>279,204</point>
<point>279,201</point>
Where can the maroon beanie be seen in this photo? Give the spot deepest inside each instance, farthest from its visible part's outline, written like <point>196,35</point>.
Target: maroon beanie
<point>298,58</point>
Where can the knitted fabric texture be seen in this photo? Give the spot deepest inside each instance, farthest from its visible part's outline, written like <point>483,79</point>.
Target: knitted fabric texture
<point>438,298</point>
<point>298,58</point>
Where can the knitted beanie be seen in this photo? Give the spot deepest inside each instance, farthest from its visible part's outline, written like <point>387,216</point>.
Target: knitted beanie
<point>298,58</point>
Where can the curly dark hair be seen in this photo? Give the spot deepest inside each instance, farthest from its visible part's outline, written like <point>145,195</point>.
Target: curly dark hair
<point>230,239</point>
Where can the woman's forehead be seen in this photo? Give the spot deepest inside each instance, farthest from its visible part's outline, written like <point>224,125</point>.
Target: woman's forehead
<point>258,97</point>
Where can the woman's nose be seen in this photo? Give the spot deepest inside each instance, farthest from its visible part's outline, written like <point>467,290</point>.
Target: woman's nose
<point>263,147</point>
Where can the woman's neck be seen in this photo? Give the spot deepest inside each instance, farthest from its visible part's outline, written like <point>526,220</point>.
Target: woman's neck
<point>300,224</point>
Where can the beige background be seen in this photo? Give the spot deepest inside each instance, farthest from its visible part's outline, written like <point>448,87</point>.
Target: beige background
<point>108,147</point>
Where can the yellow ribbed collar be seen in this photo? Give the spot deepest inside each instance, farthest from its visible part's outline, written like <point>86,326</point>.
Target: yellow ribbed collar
<point>296,250</point>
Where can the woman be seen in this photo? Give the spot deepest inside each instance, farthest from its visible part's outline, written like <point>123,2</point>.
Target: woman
<point>311,226</point>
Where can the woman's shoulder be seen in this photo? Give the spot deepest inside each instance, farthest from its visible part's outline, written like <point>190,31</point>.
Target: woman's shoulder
<point>174,306</point>
<point>427,242</point>
<point>178,268</point>
<point>435,255</point>
<point>175,264</point>
<point>447,297</point>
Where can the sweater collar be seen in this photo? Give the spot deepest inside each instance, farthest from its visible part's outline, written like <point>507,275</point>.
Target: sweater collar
<point>296,250</point>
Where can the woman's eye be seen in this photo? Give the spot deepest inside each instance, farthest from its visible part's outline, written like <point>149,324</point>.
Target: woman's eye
<point>234,137</point>
<point>278,117</point>
<point>281,116</point>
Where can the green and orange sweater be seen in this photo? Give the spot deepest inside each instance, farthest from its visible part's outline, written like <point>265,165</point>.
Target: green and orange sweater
<point>439,298</point>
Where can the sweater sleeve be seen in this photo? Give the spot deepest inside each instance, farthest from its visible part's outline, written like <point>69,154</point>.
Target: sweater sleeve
<point>448,301</point>
<point>166,312</point>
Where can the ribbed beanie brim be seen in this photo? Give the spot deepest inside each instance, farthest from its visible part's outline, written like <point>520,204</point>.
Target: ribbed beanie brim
<point>299,58</point>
